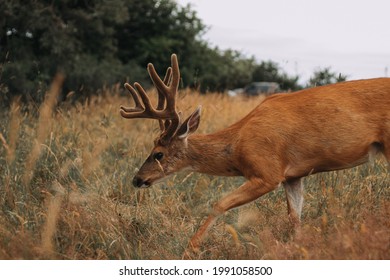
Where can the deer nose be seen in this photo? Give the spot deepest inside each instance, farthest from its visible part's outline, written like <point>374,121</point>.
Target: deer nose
<point>137,182</point>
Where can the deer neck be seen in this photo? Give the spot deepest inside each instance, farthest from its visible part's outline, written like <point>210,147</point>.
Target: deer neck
<point>213,154</point>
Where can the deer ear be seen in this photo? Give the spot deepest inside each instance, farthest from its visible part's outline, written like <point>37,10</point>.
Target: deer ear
<point>190,125</point>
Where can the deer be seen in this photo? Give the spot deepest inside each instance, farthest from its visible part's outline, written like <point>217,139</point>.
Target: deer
<point>287,137</point>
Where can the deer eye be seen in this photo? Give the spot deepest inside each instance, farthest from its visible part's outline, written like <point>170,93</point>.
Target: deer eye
<point>158,156</point>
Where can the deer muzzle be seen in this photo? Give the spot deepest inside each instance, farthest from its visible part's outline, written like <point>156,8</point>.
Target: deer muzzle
<point>138,182</point>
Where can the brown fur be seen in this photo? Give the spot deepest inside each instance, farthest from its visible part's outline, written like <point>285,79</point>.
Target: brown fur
<point>287,137</point>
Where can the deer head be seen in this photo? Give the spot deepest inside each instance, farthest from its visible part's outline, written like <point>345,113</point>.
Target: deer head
<point>169,152</point>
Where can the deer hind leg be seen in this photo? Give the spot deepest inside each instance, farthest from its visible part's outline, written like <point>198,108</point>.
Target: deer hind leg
<point>294,195</point>
<point>247,192</point>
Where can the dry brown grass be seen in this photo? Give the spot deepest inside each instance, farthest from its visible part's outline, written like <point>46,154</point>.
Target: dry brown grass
<point>79,202</point>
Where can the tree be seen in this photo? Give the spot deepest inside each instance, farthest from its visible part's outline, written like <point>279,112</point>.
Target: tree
<point>325,76</point>
<point>98,42</point>
<point>157,28</point>
<point>217,70</point>
<point>94,42</point>
<point>40,38</point>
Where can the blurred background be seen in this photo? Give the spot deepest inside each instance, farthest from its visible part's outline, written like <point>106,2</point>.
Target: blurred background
<point>222,45</point>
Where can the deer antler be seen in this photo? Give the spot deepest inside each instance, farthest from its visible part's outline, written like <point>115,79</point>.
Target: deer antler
<point>167,90</point>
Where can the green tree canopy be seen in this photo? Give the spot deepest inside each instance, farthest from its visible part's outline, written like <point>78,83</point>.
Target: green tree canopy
<point>40,38</point>
<point>325,76</point>
<point>98,42</point>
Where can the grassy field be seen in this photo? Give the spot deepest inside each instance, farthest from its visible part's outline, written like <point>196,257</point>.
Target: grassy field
<point>66,193</point>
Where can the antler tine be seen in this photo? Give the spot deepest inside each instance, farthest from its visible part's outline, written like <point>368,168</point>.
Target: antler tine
<point>142,111</point>
<point>166,107</point>
<point>161,98</point>
<point>139,110</point>
<point>175,72</point>
<point>168,88</point>
<point>134,94</point>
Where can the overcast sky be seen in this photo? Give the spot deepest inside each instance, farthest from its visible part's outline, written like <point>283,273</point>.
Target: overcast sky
<point>350,36</point>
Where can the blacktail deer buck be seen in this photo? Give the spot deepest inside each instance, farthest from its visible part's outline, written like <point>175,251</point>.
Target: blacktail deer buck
<point>285,138</point>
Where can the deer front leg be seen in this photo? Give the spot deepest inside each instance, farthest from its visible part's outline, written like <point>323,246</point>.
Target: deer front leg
<point>247,192</point>
<point>294,195</point>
